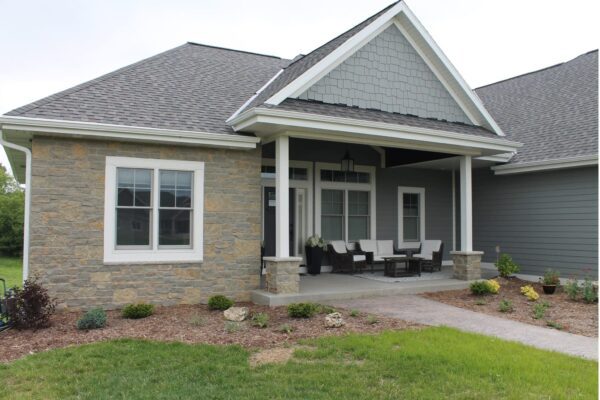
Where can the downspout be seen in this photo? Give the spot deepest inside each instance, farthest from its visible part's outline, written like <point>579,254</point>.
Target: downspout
<point>27,200</point>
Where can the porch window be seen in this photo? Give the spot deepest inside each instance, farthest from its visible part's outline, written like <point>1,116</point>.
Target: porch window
<point>332,214</point>
<point>411,216</point>
<point>358,215</point>
<point>296,173</point>
<point>153,210</point>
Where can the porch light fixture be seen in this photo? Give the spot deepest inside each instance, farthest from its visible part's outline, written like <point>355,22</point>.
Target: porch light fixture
<point>347,163</point>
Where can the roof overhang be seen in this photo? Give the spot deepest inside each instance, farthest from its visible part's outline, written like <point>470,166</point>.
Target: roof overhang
<point>267,123</point>
<point>546,165</point>
<point>20,130</point>
<point>403,18</point>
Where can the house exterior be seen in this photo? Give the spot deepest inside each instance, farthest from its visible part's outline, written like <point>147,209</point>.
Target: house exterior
<point>159,181</point>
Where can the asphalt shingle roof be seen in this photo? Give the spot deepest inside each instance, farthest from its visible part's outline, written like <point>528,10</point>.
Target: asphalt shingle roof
<point>191,87</point>
<point>553,112</point>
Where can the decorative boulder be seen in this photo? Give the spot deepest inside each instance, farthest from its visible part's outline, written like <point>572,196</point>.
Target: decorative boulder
<point>237,314</point>
<point>334,320</point>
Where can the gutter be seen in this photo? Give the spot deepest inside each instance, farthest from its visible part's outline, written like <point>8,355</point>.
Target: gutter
<point>27,201</point>
<point>546,165</point>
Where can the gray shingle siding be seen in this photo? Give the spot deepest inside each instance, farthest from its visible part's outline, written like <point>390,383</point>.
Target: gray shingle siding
<point>544,219</point>
<point>387,74</point>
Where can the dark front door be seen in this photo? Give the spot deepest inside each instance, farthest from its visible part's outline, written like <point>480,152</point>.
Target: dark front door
<point>269,220</point>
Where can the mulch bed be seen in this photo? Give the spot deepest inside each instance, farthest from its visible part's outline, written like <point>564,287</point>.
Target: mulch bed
<point>188,324</point>
<point>574,316</point>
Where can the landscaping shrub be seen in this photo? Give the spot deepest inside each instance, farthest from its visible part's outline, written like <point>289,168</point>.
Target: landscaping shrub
<point>354,313</point>
<point>325,309</point>
<point>137,311</point>
<point>93,319</point>
<point>260,320</point>
<point>30,306</point>
<point>505,306</point>
<point>506,266</point>
<point>219,302</point>
<point>485,287</point>
<point>572,289</point>
<point>530,293</point>
<point>372,319</point>
<point>589,293</point>
<point>197,320</point>
<point>550,277</point>
<point>233,327</point>
<point>555,325</point>
<point>539,310</point>
<point>302,310</point>
<point>285,328</point>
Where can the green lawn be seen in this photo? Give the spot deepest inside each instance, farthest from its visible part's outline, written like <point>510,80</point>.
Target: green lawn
<point>11,270</point>
<point>432,363</point>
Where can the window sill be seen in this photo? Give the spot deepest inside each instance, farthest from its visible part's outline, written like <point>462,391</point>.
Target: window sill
<point>183,256</point>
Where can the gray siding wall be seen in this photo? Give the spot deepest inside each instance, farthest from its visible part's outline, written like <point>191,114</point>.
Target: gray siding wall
<point>543,220</point>
<point>387,74</point>
<point>438,202</point>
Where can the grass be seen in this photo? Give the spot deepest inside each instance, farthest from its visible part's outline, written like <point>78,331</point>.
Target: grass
<point>11,270</point>
<point>425,364</point>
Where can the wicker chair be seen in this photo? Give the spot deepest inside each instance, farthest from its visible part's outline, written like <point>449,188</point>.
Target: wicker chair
<point>343,260</point>
<point>431,253</point>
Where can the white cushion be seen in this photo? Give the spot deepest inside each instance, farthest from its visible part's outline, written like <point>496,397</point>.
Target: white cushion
<point>339,246</point>
<point>359,257</point>
<point>424,256</point>
<point>377,259</point>
<point>385,247</point>
<point>368,246</point>
<point>351,246</point>
<point>429,246</point>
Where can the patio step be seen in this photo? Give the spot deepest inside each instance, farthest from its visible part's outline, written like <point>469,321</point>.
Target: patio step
<point>324,289</point>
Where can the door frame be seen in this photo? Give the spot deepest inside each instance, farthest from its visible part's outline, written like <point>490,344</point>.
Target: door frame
<point>294,184</point>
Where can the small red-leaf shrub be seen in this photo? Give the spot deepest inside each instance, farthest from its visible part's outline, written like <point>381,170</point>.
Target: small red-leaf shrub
<point>30,306</point>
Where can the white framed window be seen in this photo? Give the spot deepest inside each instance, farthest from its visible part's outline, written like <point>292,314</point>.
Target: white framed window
<point>345,203</point>
<point>153,210</point>
<point>411,216</point>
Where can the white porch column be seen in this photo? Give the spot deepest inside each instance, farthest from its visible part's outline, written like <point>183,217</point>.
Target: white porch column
<point>282,201</point>
<point>466,205</point>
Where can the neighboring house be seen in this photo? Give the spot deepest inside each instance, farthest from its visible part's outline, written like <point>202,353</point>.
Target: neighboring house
<point>158,182</point>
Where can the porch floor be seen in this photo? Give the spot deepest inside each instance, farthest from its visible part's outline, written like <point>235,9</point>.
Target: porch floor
<point>328,287</point>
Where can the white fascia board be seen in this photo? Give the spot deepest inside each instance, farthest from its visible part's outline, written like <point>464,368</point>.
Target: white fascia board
<point>243,107</point>
<point>376,133</point>
<point>546,165</point>
<point>392,16</point>
<point>320,69</point>
<point>127,133</point>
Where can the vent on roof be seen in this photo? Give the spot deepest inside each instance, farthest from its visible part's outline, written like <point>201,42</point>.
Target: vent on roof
<point>299,56</point>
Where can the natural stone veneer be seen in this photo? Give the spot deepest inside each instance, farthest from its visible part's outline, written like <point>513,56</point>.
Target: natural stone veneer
<point>283,275</point>
<point>67,218</point>
<point>467,265</point>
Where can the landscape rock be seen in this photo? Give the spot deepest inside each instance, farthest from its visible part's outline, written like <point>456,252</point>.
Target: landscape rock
<point>237,314</point>
<point>334,320</point>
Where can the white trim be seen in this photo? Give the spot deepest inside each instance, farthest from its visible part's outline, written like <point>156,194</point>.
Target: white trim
<point>381,152</point>
<point>422,214</point>
<point>27,209</point>
<point>466,205</point>
<point>453,210</point>
<point>282,196</point>
<point>153,255</point>
<point>239,110</point>
<point>313,74</point>
<point>127,133</point>
<point>546,165</point>
<point>324,127</point>
<point>406,20</point>
<point>370,187</point>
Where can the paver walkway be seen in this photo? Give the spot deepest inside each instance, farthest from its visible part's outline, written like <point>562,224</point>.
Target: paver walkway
<point>430,312</point>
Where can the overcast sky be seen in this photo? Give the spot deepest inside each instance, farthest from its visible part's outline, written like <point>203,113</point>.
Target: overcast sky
<point>48,46</point>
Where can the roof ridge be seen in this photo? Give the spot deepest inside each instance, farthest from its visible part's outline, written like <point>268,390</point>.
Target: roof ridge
<point>235,50</point>
<point>87,84</point>
<point>535,71</point>
<point>343,33</point>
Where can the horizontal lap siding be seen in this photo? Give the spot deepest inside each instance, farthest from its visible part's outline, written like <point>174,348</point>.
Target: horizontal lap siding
<point>543,220</point>
<point>438,202</point>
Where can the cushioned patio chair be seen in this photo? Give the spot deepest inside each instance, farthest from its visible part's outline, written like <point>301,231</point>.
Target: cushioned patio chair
<point>431,253</point>
<point>344,260</point>
<point>375,250</point>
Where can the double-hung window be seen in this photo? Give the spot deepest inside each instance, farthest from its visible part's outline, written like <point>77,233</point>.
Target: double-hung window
<point>153,211</point>
<point>411,216</point>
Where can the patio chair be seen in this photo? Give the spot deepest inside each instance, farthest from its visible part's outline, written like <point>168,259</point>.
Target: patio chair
<point>343,260</point>
<point>375,250</point>
<point>431,253</point>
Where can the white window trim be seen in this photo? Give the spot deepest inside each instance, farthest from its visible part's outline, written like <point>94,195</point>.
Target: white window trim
<point>421,192</point>
<point>153,255</point>
<point>369,187</point>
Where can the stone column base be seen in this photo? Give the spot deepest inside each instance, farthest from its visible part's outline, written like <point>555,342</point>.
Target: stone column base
<point>283,275</point>
<point>466,265</point>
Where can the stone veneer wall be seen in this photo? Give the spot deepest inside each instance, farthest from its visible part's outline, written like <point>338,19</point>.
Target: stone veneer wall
<point>67,218</point>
